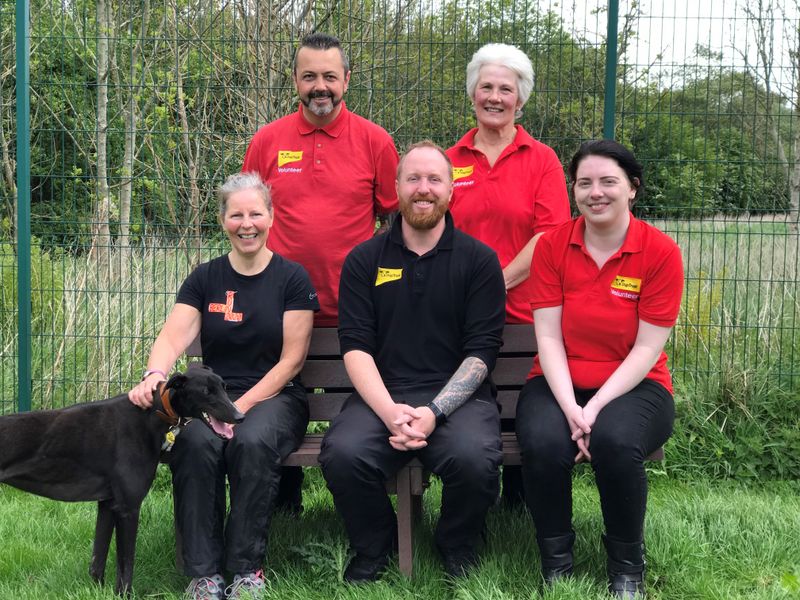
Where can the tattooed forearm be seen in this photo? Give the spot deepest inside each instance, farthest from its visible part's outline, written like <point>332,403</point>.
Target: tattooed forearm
<point>462,385</point>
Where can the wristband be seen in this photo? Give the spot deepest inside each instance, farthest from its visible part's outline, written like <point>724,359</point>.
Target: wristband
<point>153,371</point>
<point>437,412</point>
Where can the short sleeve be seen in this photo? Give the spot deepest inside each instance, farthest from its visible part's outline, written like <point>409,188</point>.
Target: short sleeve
<point>252,157</point>
<point>660,299</point>
<point>546,287</point>
<point>192,290</point>
<point>385,175</point>
<point>300,293</point>
<point>552,202</point>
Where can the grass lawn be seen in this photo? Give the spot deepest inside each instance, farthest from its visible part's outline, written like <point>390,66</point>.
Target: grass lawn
<point>714,540</point>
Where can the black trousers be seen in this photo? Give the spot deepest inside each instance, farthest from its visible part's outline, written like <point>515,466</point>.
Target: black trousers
<point>626,431</point>
<point>251,460</point>
<point>465,452</point>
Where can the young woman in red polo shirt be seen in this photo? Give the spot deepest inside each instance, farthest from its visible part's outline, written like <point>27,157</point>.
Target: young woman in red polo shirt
<point>606,294</point>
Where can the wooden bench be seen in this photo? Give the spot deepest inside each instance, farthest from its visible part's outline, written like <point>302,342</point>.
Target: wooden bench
<point>329,386</point>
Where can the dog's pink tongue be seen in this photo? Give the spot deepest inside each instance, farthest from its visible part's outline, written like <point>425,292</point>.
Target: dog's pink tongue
<point>223,429</point>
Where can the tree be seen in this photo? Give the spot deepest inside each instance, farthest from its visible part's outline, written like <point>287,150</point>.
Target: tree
<point>761,18</point>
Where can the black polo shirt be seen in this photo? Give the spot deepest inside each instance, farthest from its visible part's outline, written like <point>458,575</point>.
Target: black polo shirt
<point>421,316</point>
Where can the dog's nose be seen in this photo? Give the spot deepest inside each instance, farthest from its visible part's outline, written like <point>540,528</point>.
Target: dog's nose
<point>238,417</point>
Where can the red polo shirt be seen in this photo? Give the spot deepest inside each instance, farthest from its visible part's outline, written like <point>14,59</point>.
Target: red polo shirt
<point>524,193</point>
<point>601,308</point>
<point>327,186</point>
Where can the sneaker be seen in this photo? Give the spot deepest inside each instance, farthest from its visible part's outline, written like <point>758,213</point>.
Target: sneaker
<point>251,583</point>
<point>206,588</point>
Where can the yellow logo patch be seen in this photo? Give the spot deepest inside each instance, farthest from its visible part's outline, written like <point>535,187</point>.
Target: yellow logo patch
<point>289,156</point>
<point>461,172</point>
<point>387,275</point>
<point>627,284</point>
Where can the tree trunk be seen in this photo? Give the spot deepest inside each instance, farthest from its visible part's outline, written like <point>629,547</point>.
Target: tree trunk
<point>8,178</point>
<point>131,124</point>
<point>191,162</point>
<point>101,238</point>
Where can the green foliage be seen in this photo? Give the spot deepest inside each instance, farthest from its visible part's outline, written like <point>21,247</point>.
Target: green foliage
<point>738,405</point>
<point>47,289</point>
<point>708,136</point>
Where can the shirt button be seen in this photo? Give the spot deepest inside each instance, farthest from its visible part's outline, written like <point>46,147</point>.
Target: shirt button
<point>319,145</point>
<point>319,161</point>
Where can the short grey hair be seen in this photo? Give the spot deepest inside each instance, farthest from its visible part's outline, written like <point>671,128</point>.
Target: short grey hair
<point>503,55</point>
<point>242,181</point>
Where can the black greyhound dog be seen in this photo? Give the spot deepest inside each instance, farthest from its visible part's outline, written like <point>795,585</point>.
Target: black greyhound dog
<point>108,451</point>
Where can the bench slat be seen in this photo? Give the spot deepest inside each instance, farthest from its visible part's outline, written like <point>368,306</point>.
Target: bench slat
<point>519,338</point>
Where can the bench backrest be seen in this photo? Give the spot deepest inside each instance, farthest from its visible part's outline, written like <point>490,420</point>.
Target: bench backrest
<point>328,385</point>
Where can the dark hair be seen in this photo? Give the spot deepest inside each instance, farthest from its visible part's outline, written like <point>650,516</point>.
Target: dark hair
<point>616,152</point>
<point>321,41</point>
<point>425,144</point>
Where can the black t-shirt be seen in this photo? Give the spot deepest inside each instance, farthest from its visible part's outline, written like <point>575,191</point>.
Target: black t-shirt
<point>419,317</point>
<point>241,330</point>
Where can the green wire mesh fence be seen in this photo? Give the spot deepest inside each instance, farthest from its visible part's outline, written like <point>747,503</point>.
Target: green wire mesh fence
<point>140,108</point>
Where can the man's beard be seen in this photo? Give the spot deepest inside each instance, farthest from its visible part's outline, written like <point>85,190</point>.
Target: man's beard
<point>423,222</point>
<point>325,109</point>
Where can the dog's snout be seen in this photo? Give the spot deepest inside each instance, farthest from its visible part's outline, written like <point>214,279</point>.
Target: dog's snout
<point>238,417</point>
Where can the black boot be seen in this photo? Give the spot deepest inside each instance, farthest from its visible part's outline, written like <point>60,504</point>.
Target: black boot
<point>556,554</point>
<point>625,568</point>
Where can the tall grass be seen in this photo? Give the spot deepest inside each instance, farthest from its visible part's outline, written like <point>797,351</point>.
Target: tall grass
<point>704,540</point>
<point>735,351</point>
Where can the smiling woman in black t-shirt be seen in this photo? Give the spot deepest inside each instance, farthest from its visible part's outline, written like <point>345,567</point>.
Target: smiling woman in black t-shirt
<point>253,310</point>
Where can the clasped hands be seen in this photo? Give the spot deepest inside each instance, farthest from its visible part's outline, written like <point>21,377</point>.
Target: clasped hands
<point>409,427</point>
<point>581,420</point>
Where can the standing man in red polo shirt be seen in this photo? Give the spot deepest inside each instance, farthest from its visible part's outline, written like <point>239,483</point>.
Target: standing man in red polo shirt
<point>331,173</point>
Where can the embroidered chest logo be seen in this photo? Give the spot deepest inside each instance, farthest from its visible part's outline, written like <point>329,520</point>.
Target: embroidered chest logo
<point>286,157</point>
<point>227,308</point>
<point>626,287</point>
<point>289,156</point>
<point>386,275</point>
<point>461,173</point>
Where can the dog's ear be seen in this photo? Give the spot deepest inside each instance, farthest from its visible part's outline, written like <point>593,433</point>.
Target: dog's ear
<point>177,381</point>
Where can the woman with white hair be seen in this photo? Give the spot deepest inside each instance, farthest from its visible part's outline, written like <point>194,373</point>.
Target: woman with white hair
<point>508,188</point>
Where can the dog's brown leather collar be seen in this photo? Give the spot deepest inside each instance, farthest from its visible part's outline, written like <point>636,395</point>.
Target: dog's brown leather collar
<point>168,415</point>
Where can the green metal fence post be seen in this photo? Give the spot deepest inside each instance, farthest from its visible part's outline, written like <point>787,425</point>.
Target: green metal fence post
<point>23,207</point>
<point>609,102</point>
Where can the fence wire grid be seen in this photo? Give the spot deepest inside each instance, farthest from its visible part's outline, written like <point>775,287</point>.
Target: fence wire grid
<point>140,108</point>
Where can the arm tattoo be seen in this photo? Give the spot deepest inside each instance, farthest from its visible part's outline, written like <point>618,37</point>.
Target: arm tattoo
<point>467,378</point>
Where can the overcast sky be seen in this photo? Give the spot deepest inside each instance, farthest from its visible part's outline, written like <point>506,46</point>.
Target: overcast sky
<point>669,32</point>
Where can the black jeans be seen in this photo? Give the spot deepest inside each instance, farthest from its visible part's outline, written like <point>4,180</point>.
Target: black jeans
<point>251,460</point>
<point>626,431</point>
<point>465,452</point>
